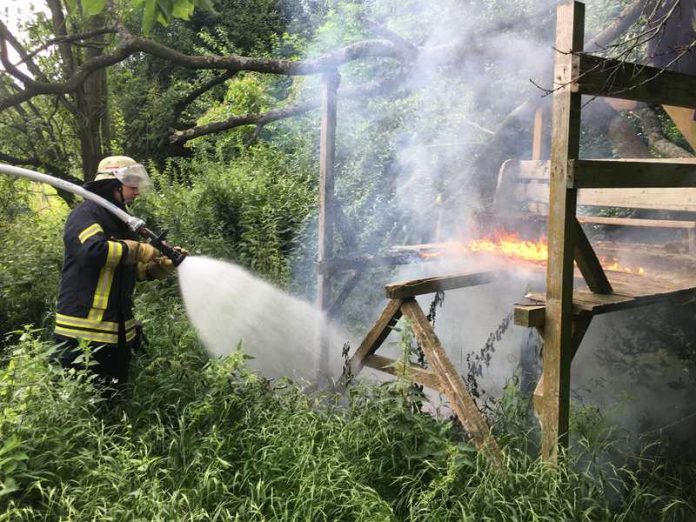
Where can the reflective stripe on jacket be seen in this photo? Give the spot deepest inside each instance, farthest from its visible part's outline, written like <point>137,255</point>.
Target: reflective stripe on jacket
<point>96,289</point>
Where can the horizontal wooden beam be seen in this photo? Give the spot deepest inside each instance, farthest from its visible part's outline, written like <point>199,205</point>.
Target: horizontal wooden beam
<point>643,173</point>
<point>605,77</point>
<point>636,222</point>
<point>429,285</point>
<point>524,185</point>
<point>396,368</point>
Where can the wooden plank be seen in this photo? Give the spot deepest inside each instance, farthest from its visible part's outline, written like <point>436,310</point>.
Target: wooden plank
<point>436,284</point>
<point>587,262</point>
<point>452,384</point>
<point>638,173</point>
<point>637,222</point>
<point>327,153</point>
<point>529,315</point>
<point>565,145</point>
<point>630,291</point>
<point>376,335</point>
<point>598,76</point>
<point>396,368</point>
<point>525,183</point>
<point>537,133</point>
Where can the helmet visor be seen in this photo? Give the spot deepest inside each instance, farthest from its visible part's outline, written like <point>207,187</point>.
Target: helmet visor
<point>133,176</point>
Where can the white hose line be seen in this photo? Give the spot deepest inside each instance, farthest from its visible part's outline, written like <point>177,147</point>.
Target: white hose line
<point>133,222</point>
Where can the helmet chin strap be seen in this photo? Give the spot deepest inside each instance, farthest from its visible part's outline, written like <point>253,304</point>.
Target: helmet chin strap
<point>120,194</point>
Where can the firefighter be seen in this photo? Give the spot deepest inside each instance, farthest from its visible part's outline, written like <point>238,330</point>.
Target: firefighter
<point>102,261</point>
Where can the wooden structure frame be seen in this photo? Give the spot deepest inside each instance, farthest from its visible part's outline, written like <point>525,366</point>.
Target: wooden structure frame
<point>443,375</point>
<point>562,315</point>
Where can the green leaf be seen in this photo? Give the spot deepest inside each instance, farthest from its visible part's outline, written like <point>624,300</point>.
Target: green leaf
<point>165,10</point>
<point>183,9</point>
<point>71,5</point>
<point>9,486</point>
<point>149,16</point>
<point>93,7</point>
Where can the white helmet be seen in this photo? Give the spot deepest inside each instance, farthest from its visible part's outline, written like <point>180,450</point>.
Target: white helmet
<point>124,169</point>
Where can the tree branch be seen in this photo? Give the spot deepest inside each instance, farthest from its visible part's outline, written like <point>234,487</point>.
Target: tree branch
<point>622,22</point>
<point>231,63</point>
<point>29,62</point>
<point>278,114</point>
<point>656,138</point>
<point>181,105</point>
<point>68,38</point>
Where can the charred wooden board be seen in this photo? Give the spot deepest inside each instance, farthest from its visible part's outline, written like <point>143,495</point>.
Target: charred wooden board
<point>429,285</point>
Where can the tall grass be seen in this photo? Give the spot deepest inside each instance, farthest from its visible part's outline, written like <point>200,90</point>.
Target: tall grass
<point>199,439</point>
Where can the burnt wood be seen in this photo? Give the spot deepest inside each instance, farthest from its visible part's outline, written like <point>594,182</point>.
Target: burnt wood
<point>436,284</point>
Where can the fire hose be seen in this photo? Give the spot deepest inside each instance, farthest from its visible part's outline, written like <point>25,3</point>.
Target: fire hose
<point>135,224</point>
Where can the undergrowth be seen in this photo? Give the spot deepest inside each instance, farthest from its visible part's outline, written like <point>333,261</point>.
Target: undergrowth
<point>198,439</point>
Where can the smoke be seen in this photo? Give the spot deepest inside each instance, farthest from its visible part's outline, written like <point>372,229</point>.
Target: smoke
<point>408,171</point>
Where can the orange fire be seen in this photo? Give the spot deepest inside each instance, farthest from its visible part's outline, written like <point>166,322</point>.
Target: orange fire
<point>511,246</point>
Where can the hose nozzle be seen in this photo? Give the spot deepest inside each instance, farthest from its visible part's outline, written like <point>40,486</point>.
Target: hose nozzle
<point>160,243</point>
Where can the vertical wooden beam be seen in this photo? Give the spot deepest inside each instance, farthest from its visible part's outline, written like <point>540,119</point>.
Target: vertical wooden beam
<point>537,134</point>
<point>327,153</point>
<point>565,145</point>
<point>580,325</point>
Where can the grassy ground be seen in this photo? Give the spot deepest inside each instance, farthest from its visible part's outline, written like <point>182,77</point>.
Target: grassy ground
<point>193,439</point>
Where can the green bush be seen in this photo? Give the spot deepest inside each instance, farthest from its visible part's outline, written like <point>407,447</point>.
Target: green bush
<point>248,211</point>
<point>195,439</point>
<point>30,261</point>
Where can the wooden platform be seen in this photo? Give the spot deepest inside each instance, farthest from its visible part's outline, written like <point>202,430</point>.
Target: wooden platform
<point>629,291</point>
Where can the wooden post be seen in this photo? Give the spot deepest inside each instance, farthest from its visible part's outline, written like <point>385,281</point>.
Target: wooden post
<point>538,133</point>
<point>327,151</point>
<point>565,145</point>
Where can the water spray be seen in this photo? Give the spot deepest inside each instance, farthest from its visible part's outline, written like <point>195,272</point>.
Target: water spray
<point>136,224</point>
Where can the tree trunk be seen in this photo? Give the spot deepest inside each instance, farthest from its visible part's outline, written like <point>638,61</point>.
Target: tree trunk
<point>90,99</point>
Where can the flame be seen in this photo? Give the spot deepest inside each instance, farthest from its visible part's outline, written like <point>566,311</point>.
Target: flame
<point>509,245</point>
